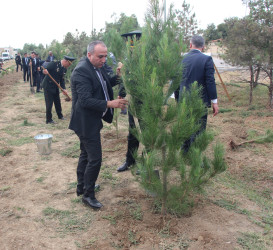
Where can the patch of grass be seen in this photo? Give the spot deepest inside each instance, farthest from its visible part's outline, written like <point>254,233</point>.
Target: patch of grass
<point>111,218</point>
<point>69,221</point>
<point>136,212</point>
<point>132,238</point>
<point>21,141</point>
<point>4,189</point>
<point>72,151</point>
<point>26,123</point>
<point>5,151</point>
<point>229,205</point>
<point>72,185</point>
<point>76,200</point>
<point>40,179</point>
<point>254,241</point>
<point>222,110</point>
<point>107,175</point>
<point>12,130</point>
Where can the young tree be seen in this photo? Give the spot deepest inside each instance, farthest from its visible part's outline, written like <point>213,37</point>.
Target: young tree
<point>150,65</point>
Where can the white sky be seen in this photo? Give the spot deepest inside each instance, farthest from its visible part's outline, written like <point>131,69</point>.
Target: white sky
<point>32,21</point>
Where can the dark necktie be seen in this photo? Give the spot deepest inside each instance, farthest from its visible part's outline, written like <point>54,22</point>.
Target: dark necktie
<point>104,86</point>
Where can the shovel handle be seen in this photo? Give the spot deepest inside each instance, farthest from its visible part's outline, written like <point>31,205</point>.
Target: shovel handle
<point>59,86</point>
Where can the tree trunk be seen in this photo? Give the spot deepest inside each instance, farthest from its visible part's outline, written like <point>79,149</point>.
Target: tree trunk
<point>251,84</point>
<point>164,177</point>
<point>257,74</point>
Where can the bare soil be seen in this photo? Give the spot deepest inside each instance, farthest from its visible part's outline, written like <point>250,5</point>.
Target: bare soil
<point>39,208</point>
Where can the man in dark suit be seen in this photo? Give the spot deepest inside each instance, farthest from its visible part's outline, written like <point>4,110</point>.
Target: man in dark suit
<point>92,101</point>
<point>34,68</point>
<point>57,70</point>
<point>199,67</point>
<point>25,62</point>
<point>50,57</point>
<point>18,61</point>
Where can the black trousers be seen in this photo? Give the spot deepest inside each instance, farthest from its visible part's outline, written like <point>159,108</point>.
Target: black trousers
<point>36,80</point>
<point>25,73</point>
<point>132,141</point>
<point>89,164</point>
<point>17,65</point>
<point>50,98</point>
<point>203,122</point>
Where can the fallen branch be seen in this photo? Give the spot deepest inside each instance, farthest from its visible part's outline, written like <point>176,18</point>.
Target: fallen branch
<point>268,137</point>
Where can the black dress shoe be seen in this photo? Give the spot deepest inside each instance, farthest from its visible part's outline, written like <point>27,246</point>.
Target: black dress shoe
<point>50,122</point>
<point>94,203</point>
<point>80,191</point>
<point>123,167</point>
<point>62,118</point>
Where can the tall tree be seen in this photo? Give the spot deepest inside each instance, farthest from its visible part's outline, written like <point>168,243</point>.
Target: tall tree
<point>261,12</point>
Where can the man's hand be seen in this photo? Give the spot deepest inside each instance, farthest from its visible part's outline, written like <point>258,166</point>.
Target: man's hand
<point>118,71</point>
<point>118,103</point>
<point>45,71</point>
<point>215,109</point>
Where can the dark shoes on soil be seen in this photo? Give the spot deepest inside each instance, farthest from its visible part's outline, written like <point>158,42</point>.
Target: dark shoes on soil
<point>62,118</point>
<point>94,203</point>
<point>125,166</point>
<point>50,122</point>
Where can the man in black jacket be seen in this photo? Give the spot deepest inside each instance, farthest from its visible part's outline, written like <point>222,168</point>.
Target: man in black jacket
<point>18,61</point>
<point>92,101</point>
<point>25,62</point>
<point>34,68</point>
<point>51,91</point>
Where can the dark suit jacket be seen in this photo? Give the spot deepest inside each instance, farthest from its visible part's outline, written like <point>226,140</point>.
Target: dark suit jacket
<point>49,59</point>
<point>34,65</point>
<point>57,71</point>
<point>25,66</point>
<point>88,99</point>
<point>199,67</point>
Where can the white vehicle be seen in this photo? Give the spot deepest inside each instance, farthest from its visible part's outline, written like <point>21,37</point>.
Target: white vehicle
<point>5,56</point>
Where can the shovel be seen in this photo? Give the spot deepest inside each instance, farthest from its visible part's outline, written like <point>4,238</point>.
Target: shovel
<point>68,98</point>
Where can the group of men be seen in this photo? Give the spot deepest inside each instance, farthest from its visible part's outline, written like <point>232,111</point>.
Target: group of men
<point>92,102</point>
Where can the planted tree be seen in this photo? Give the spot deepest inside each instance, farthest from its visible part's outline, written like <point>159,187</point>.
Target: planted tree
<point>165,171</point>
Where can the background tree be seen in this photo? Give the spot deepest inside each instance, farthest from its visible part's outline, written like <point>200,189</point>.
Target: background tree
<point>261,12</point>
<point>151,64</point>
<point>187,22</point>
<point>249,43</point>
<point>123,24</point>
<point>241,49</point>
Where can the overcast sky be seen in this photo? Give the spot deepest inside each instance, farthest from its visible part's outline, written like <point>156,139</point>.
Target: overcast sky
<point>32,21</point>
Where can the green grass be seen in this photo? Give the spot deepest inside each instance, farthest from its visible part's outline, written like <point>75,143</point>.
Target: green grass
<point>254,241</point>
<point>5,151</point>
<point>72,151</point>
<point>21,141</point>
<point>69,221</point>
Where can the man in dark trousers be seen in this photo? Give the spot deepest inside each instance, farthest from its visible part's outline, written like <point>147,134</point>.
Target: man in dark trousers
<point>57,70</point>
<point>92,101</point>
<point>18,61</point>
<point>199,67</point>
<point>34,68</point>
<point>25,62</point>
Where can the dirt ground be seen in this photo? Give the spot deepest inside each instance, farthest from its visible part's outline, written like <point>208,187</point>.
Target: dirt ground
<point>39,208</point>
